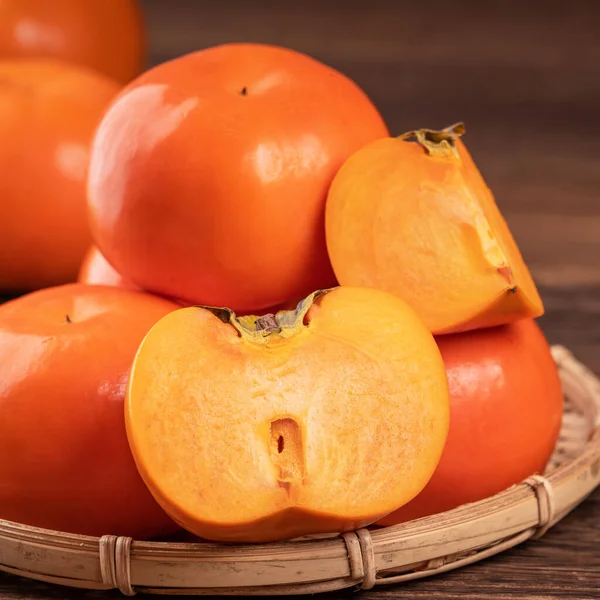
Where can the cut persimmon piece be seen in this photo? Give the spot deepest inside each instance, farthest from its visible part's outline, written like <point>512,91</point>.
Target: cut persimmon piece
<point>317,420</point>
<point>416,218</point>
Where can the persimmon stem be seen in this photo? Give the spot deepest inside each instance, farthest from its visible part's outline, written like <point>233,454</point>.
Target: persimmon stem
<point>284,324</point>
<point>267,323</point>
<point>436,143</point>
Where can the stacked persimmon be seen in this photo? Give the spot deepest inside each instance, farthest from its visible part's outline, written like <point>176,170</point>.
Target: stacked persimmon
<point>65,351</point>
<point>246,177</point>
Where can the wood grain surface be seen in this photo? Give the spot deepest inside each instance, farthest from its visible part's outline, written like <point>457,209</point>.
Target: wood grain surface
<point>525,77</point>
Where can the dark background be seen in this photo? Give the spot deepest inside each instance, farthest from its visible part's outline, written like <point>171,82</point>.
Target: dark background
<point>523,75</point>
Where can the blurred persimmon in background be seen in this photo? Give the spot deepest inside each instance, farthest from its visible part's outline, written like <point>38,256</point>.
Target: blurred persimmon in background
<point>106,35</point>
<point>49,110</point>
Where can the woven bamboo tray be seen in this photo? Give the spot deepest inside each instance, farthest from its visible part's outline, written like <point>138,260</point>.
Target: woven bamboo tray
<point>365,558</point>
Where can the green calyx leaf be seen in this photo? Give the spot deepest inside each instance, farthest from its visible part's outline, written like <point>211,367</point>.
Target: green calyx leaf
<point>441,144</point>
<point>283,324</point>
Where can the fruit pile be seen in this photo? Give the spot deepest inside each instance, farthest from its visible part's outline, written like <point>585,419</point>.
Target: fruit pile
<point>287,322</point>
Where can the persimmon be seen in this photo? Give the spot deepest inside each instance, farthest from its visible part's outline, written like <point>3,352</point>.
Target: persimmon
<point>505,416</point>
<point>96,270</point>
<point>106,35</point>
<point>221,198</point>
<point>320,419</point>
<point>416,218</point>
<point>48,113</point>
<point>65,464</point>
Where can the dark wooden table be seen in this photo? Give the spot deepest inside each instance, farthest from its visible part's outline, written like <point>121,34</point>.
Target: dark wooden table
<point>525,77</point>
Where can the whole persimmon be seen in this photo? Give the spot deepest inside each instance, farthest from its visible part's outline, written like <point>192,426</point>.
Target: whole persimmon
<point>317,420</point>
<point>96,270</point>
<point>48,113</point>
<point>505,415</point>
<point>65,355</point>
<point>209,174</point>
<point>413,216</point>
<point>105,35</point>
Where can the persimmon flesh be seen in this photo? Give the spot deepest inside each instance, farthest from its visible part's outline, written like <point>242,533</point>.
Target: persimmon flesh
<point>321,419</point>
<point>415,218</point>
<point>505,415</point>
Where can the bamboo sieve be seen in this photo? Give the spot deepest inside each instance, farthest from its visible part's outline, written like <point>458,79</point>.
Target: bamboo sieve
<point>364,558</point>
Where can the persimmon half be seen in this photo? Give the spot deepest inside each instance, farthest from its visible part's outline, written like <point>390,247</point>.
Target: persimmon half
<point>209,174</point>
<point>505,415</point>
<point>416,218</point>
<point>321,419</point>
<point>96,270</point>
<point>49,111</point>
<point>105,35</point>
<point>65,464</point>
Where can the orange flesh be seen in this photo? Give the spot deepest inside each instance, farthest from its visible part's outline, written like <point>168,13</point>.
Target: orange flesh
<point>427,229</point>
<point>325,430</point>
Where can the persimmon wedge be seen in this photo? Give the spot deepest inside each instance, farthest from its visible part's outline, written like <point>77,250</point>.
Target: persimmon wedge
<point>413,216</point>
<point>316,420</point>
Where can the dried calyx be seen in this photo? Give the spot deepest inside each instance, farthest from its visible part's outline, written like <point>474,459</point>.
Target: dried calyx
<point>283,324</point>
<point>437,143</point>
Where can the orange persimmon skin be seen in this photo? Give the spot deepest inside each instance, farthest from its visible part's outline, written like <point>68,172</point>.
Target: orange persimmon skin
<point>49,111</point>
<point>209,174</point>
<point>505,415</point>
<point>107,36</point>
<point>426,228</point>
<point>65,354</point>
<point>96,270</point>
<point>322,427</point>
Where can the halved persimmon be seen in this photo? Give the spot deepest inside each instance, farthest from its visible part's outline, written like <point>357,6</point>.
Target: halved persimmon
<point>415,218</point>
<point>321,419</point>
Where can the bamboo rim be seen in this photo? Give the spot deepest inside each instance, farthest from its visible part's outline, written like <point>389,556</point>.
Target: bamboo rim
<point>365,558</point>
